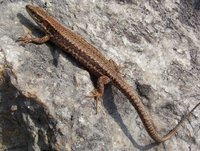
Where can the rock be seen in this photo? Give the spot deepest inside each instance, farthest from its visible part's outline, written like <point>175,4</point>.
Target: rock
<point>43,103</point>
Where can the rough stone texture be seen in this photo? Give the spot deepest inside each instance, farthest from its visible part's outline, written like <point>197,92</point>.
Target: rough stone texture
<point>43,104</point>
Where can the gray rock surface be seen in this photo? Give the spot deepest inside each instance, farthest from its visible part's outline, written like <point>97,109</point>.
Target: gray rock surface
<point>43,104</point>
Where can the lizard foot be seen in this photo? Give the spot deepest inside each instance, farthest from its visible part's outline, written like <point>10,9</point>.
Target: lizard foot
<point>24,40</point>
<point>97,96</point>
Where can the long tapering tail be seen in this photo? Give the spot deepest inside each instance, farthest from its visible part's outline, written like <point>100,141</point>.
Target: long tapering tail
<point>174,130</point>
<point>145,117</point>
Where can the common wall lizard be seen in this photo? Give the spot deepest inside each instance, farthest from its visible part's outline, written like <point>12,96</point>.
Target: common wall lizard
<point>106,70</point>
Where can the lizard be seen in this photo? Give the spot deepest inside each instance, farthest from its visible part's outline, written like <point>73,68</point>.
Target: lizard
<point>95,62</point>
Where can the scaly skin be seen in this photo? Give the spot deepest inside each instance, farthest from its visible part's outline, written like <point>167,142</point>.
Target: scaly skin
<point>96,63</point>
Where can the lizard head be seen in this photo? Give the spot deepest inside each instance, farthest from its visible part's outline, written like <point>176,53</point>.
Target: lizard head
<point>38,14</point>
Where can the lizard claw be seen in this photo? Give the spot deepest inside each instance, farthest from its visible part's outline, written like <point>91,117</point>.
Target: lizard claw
<point>94,94</point>
<point>24,40</point>
<point>97,96</point>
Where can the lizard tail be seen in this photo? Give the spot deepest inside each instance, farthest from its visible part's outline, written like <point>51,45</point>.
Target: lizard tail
<point>147,121</point>
<point>174,130</point>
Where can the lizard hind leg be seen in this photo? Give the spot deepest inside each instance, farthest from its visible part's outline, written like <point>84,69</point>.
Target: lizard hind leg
<point>98,92</point>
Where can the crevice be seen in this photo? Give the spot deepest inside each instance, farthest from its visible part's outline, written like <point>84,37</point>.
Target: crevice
<point>25,122</point>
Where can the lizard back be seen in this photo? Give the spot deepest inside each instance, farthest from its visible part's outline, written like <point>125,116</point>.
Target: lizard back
<point>72,43</point>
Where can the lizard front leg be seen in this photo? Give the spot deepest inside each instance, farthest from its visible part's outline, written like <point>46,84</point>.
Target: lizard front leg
<point>98,92</point>
<point>30,39</point>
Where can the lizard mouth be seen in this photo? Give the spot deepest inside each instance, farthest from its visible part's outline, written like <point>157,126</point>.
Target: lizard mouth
<point>30,9</point>
<point>36,13</point>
